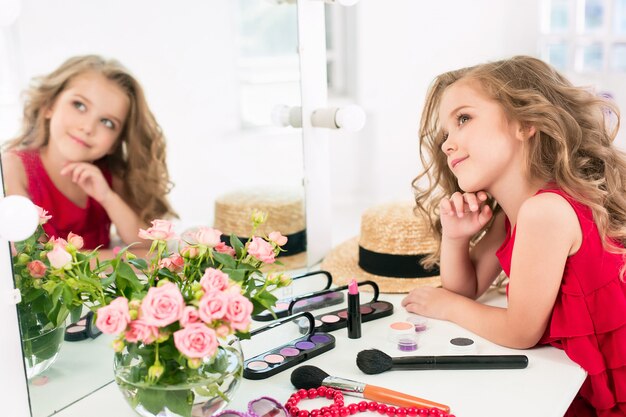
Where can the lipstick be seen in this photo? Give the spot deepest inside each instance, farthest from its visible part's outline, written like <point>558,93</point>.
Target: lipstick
<point>354,311</point>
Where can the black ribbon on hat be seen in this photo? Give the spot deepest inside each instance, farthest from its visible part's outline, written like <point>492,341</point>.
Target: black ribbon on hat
<point>397,266</point>
<point>296,243</point>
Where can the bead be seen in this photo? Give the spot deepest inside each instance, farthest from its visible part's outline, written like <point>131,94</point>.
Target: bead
<point>422,412</point>
<point>314,413</point>
<point>327,415</point>
<point>401,411</point>
<point>353,408</point>
<point>362,406</point>
<point>344,412</point>
<point>312,393</point>
<point>303,413</point>
<point>339,402</point>
<point>372,406</point>
<point>294,411</point>
<point>391,411</point>
<point>324,410</point>
<point>434,412</point>
<point>302,393</point>
<point>411,411</point>
<point>382,408</point>
<point>321,391</point>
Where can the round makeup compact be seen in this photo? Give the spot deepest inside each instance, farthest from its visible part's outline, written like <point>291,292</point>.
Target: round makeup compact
<point>462,345</point>
<point>420,324</point>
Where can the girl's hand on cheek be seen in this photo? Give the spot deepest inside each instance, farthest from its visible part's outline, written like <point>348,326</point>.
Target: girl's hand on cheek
<point>429,302</point>
<point>88,177</point>
<point>463,215</point>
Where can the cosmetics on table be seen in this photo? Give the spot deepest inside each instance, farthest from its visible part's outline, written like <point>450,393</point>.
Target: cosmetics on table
<point>354,311</point>
<point>286,355</point>
<point>314,299</point>
<point>83,329</point>
<point>338,319</point>
<point>462,345</point>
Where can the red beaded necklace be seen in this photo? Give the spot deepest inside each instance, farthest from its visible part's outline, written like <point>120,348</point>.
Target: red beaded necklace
<point>339,409</point>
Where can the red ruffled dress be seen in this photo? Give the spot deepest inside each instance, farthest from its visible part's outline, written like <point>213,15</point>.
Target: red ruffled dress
<point>589,318</point>
<point>91,222</point>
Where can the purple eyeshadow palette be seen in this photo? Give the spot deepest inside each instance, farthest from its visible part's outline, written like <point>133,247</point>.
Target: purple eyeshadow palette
<point>290,354</point>
<point>338,319</point>
<point>313,300</point>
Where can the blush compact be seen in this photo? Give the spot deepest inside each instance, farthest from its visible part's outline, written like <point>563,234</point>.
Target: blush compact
<point>84,328</point>
<point>287,355</point>
<point>317,299</point>
<point>338,319</point>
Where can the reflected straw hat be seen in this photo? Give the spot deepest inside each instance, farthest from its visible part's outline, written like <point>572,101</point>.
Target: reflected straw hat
<point>285,214</point>
<point>388,251</point>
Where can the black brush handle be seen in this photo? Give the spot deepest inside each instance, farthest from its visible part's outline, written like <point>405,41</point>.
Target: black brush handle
<point>461,362</point>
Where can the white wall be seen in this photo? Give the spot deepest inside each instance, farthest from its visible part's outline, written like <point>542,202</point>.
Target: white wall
<point>187,60</point>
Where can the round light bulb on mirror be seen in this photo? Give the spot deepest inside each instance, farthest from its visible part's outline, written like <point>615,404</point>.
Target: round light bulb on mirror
<point>18,218</point>
<point>283,115</point>
<point>351,118</point>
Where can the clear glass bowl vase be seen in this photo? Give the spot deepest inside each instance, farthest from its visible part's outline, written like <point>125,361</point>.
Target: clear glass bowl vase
<point>200,393</point>
<point>41,342</point>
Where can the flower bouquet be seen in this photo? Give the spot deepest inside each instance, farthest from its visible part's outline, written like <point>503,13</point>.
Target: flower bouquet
<point>55,280</point>
<point>178,327</point>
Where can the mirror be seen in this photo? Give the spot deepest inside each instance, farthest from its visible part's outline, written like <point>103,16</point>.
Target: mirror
<point>212,72</point>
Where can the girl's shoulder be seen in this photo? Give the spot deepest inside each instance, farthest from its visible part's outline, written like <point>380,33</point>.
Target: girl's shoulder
<point>14,173</point>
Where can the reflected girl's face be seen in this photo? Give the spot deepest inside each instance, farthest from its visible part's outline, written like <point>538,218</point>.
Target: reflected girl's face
<point>87,118</point>
<point>481,144</point>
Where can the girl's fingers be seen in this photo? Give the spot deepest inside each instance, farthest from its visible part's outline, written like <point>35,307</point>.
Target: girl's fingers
<point>445,207</point>
<point>471,200</point>
<point>458,203</point>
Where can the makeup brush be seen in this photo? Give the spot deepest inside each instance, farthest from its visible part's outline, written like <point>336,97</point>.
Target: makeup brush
<point>308,376</point>
<point>374,361</point>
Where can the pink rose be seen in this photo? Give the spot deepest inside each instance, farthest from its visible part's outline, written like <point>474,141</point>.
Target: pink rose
<point>224,248</point>
<point>160,230</point>
<point>43,215</point>
<point>174,263</point>
<point>113,318</point>
<point>207,236</point>
<point>239,311</point>
<point>59,257</point>
<point>262,250</point>
<point>190,315</point>
<point>140,331</point>
<point>75,240</point>
<point>190,252</point>
<point>162,305</point>
<point>214,280</point>
<point>213,306</point>
<point>278,238</point>
<point>58,241</point>
<point>196,341</point>
<point>36,269</point>
<point>222,331</point>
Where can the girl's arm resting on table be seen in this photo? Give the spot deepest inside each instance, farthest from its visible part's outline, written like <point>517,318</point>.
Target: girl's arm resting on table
<point>548,232</point>
<point>470,273</point>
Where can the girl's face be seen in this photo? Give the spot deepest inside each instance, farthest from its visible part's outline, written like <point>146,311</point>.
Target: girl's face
<point>87,118</point>
<point>482,146</point>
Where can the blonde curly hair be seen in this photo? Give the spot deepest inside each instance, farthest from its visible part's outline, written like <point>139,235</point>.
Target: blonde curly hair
<point>139,156</point>
<point>573,145</point>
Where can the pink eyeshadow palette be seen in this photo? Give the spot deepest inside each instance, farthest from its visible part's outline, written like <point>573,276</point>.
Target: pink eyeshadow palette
<point>338,319</point>
<point>296,351</point>
<point>310,301</point>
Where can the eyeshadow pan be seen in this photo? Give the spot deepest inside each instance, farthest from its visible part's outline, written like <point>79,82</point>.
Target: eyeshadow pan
<point>75,329</point>
<point>304,345</point>
<point>343,314</point>
<point>257,365</point>
<point>318,323</point>
<point>319,338</point>
<point>330,318</point>
<point>273,358</point>
<point>366,309</point>
<point>281,306</point>
<point>378,305</point>
<point>289,351</point>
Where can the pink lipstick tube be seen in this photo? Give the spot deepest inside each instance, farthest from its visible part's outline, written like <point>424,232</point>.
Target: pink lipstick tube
<point>354,311</point>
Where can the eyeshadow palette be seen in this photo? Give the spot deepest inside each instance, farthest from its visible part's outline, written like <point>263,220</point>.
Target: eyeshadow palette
<point>338,319</point>
<point>312,300</point>
<point>82,329</point>
<point>289,354</point>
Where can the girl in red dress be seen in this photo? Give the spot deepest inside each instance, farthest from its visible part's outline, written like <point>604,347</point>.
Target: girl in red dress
<point>90,153</point>
<point>522,176</point>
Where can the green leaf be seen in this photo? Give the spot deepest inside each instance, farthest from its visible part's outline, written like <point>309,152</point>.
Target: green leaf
<point>125,274</point>
<point>32,294</point>
<point>225,260</point>
<point>237,245</point>
<point>139,263</point>
<point>177,401</point>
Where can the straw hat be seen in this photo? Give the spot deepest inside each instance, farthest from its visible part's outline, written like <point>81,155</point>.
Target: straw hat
<point>285,214</point>
<point>393,239</point>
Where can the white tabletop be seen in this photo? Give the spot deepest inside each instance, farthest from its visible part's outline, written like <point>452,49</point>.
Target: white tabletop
<point>549,383</point>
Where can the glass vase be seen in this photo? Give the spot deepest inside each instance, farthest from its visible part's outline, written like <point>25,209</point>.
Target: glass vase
<point>41,343</point>
<point>200,392</point>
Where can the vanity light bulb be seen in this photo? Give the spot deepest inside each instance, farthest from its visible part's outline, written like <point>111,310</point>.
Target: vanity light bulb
<point>18,218</point>
<point>351,117</point>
